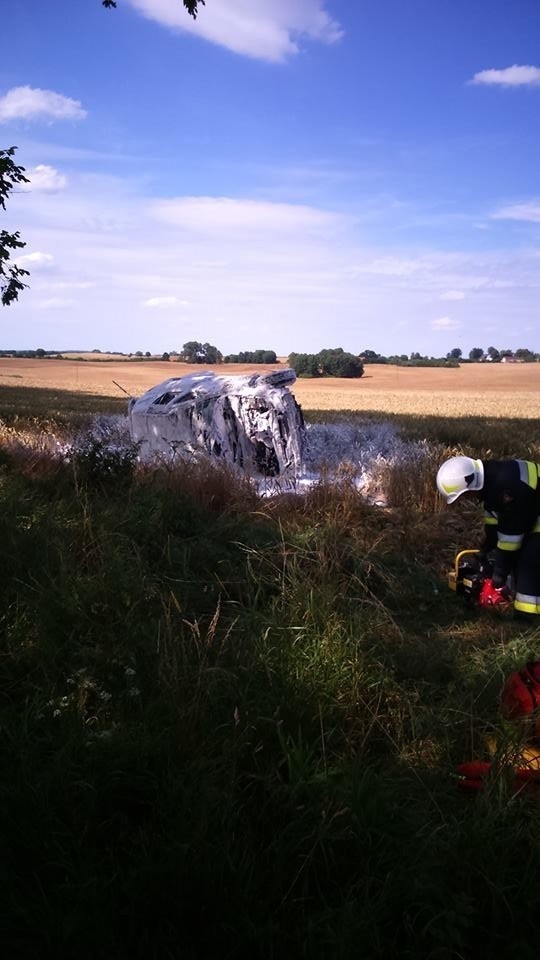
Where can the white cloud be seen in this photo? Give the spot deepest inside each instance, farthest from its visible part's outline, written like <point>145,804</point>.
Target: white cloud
<point>515,76</point>
<point>520,211</point>
<point>254,274</point>
<point>164,302</point>
<point>31,103</point>
<point>55,303</point>
<point>44,178</point>
<point>445,323</point>
<point>393,267</point>
<point>37,259</point>
<point>67,285</point>
<point>224,214</point>
<point>264,29</point>
<point>452,295</point>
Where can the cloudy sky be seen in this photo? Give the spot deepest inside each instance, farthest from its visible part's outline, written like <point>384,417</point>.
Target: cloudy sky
<point>278,174</point>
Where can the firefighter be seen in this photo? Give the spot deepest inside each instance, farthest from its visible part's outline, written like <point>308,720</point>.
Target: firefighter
<point>510,493</point>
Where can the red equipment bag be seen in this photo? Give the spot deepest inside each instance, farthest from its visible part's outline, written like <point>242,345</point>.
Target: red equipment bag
<point>520,696</point>
<point>473,776</point>
<point>520,700</point>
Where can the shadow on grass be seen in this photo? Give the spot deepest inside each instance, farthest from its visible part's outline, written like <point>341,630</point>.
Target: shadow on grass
<point>43,403</point>
<point>182,784</point>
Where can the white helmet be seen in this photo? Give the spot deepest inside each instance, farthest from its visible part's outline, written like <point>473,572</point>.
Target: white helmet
<point>458,475</point>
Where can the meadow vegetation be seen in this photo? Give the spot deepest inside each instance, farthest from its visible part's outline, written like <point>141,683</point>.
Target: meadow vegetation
<point>230,724</point>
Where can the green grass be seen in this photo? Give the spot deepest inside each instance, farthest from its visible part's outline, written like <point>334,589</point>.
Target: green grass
<point>230,726</point>
<point>496,437</point>
<point>36,405</point>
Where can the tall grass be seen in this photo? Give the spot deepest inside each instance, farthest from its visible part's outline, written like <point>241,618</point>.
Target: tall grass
<point>230,725</point>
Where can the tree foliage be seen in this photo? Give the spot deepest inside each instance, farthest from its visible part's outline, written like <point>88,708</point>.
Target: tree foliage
<point>252,356</point>
<point>523,353</point>
<point>11,276</point>
<point>327,363</point>
<point>190,5</point>
<point>195,352</point>
<point>305,364</point>
<point>371,356</point>
<point>476,353</point>
<point>11,282</point>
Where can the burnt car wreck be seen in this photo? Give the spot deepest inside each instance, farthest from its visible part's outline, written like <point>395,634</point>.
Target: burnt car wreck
<point>252,422</point>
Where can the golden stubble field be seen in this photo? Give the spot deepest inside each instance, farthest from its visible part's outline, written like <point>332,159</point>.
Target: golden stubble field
<point>492,390</point>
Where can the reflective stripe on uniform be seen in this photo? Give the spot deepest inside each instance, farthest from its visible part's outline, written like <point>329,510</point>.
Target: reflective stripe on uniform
<point>528,473</point>
<point>491,519</point>
<point>527,603</point>
<point>536,528</point>
<point>509,541</point>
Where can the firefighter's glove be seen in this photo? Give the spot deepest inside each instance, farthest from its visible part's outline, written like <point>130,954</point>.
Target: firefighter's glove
<point>485,562</point>
<point>498,579</point>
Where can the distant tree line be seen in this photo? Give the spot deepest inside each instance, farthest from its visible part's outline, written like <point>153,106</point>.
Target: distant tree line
<point>252,356</point>
<point>31,354</point>
<point>452,359</point>
<point>195,352</point>
<point>327,363</point>
<point>493,355</point>
<point>415,359</point>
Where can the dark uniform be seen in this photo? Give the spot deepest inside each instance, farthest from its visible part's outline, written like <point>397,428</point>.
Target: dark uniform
<point>511,498</point>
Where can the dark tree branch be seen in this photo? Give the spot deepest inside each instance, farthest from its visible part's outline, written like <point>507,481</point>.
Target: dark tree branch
<point>11,283</point>
<point>190,5</point>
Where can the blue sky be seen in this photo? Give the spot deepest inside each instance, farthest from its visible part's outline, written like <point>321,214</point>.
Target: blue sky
<point>278,174</point>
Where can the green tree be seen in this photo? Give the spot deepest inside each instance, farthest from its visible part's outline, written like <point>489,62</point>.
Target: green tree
<point>211,354</point>
<point>252,356</point>
<point>455,354</point>
<point>192,352</point>
<point>493,354</point>
<point>305,364</point>
<point>523,353</point>
<point>370,356</point>
<point>11,282</point>
<point>195,352</point>
<point>338,363</point>
<point>326,363</point>
<point>476,353</point>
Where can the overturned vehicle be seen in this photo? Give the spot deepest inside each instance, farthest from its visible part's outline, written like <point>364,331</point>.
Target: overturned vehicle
<point>251,421</point>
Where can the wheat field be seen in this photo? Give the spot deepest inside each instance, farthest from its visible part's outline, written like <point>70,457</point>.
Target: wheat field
<point>472,390</point>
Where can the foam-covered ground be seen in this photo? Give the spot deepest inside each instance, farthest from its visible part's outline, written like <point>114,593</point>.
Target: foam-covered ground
<point>361,452</point>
